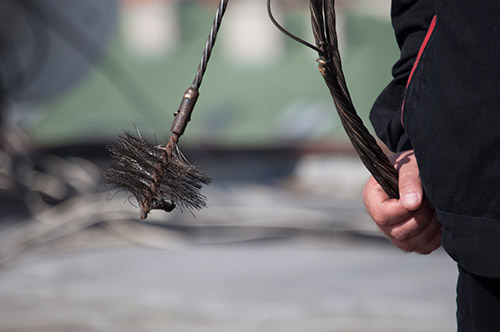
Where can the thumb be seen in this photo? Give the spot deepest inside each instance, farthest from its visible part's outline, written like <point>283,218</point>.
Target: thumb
<point>410,185</point>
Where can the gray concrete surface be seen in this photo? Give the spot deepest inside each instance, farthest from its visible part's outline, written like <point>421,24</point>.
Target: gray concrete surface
<point>276,286</point>
<point>298,254</point>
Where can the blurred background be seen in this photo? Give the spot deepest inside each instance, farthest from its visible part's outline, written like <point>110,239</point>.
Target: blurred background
<point>285,243</point>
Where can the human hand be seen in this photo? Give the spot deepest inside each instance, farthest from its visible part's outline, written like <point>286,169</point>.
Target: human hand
<point>410,223</point>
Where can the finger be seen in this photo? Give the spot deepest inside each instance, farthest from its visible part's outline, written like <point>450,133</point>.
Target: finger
<point>374,192</point>
<point>411,227</point>
<point>434,245</point>
<point>410,185</point>
<point>383,210</point>
<point>422,240</point>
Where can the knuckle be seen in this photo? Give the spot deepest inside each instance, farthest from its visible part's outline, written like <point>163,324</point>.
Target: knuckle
<point>400,234</point>
<point>375,213</point>
<point>425,243</point>
<point>430,248</point>
<point>405,246</point>
<point>409,180</point>
<point>380,219</point>
<point>366,189</point>
<point>411,247</point>
<point>425,252</point>
<point>410,175</point>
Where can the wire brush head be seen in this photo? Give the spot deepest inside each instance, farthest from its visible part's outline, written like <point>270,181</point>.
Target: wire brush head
<point>159,177</point>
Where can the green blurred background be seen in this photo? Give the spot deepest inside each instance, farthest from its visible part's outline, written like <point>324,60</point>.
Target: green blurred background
<point>273,95</point>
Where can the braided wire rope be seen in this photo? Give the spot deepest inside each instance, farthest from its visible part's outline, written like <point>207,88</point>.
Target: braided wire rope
<point>183,115</point>
<point>330,65</point>
<point>323,22</point>
<point>212,37</point>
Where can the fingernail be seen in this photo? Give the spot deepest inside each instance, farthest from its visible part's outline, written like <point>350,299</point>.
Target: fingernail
<point>410,199</point>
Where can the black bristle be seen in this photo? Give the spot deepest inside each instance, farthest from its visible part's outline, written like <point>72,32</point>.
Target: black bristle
<point>156,180</point>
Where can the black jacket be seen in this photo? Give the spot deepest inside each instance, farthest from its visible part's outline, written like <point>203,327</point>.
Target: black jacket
<point>444,103</point>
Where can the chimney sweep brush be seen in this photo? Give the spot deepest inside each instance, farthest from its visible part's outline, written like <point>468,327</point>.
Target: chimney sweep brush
<point>159,176</point>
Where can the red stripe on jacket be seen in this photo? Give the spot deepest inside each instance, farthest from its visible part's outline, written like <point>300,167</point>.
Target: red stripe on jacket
<point>417,60</point>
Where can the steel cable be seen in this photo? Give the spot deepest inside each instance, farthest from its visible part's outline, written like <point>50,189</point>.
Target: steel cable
<point>160,177</point>
<point>323,22</point>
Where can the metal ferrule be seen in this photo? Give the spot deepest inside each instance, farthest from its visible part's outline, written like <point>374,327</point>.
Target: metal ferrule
<point>183,114</point>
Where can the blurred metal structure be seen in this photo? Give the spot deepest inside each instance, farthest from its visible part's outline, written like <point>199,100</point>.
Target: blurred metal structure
<point>37,60</point>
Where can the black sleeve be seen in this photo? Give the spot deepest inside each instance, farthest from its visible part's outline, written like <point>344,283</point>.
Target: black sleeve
<point>410,20</point>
